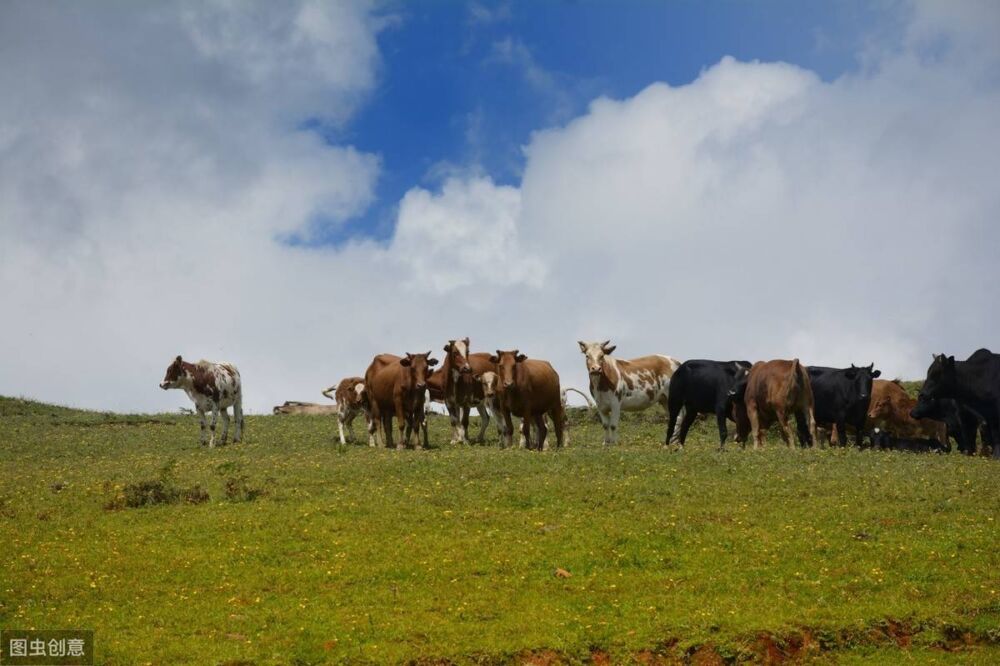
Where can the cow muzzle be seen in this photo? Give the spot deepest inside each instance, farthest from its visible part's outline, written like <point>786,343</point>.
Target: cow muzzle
<point>466,370</point>
<point>164,386</point>
<point>508,384</point>
<point>421,387</point>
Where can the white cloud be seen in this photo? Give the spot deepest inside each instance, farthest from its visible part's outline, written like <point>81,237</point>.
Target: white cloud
<point>757,212</point>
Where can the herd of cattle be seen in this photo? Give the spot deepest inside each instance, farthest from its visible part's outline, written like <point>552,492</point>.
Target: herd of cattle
<point>958,400</point>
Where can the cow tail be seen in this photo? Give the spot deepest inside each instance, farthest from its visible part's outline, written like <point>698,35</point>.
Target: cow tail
<point>801,379</point>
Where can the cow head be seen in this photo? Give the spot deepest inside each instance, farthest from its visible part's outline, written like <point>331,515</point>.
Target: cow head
<point>176,376</point>
<point>358,395</point>
<point>418,365</point>
<point>458,355</point>
<point>939,383</point>
<point>738,389</point>
<point>595,352</point>
<point>507,362</point>
<point>491,384</point>
<point>862,378</point>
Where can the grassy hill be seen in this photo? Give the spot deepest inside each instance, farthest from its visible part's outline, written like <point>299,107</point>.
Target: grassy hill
<point>289,549</point>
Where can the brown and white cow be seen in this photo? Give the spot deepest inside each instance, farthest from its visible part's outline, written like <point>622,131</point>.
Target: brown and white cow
<point>397,387</point>
<point>890,408</point>
<point>490,382</point>
<point>212,387</point>
<point>529,389</point>
<point>351,400</point>
<point>631,385</point>
<point>297,407</point>
<point>774,391</point>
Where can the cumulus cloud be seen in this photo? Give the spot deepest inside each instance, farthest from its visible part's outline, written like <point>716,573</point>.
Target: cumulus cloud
<point>757,212</point>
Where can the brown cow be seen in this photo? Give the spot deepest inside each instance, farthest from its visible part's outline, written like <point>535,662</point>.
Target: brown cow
<point>774,391</point>
<point>890,408</point>
<point>351,398</point>
<point>530,389</point>
<point>397,387</point>
<point>307,408</point>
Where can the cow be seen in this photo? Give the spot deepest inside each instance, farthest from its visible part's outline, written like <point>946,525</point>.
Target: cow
<point>456,384</point>
<point>633,385</point>
<point>306,408</point>
<point>490,382</point>
<point>841,397</point>
<point>890,412</point>
<point>774,390</point>
<point>886,441</point>
<point>974,383</point>
<point>706,387</point>
<point>529,388</point>
<point>212,387</point>
<point>351,399</point>
<point>397,386</point>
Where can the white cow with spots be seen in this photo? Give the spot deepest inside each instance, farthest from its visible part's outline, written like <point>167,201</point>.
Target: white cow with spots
<point>632,386</point>
<point>212,387</point>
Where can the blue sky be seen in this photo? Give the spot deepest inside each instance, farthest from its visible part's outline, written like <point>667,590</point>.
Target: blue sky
<point>462,85</point>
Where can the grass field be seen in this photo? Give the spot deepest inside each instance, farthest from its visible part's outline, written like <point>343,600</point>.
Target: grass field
<point>306,552</point>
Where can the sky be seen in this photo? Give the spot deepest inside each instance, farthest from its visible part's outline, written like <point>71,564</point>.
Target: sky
<point>295,187</point>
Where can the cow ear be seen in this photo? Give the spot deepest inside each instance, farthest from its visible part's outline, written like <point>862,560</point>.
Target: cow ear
<point>405,362</point>
<point>608,349</point>
<point>583,346</point>
<point>178,359</point>
<point>520,357</point>
<point>466,341</point>
<point>432,362</point>
<point>447,347</point>
<point>876,374</point>
<point>494,359</point>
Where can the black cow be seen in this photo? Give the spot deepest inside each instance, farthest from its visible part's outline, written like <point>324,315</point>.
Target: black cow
<point>884,440</point>
<point>973,383</point>
<point>962,422</point>
<point>841,397</point>
<point>706,387</point>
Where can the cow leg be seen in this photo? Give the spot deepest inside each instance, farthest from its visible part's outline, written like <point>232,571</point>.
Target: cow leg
<point>211,426</point>
<point>484,422</point>
<point>720,420</point>
<point>687,420</point>
<point>542,432</point>
<point>834,432</point>
<point>802,430</point>
<point>204,426</point>
<point>613,419</point>
<point>238,417</point>
<point>672,415</point>
<point>754,418</point>
<point>507,438</point>
<point>374,421</point>
<point>454,414</point>
<point>561,426</point>
<point>784,429</point>
<point>994,427</point>
<point>225,426</point>
<point>386,429</point>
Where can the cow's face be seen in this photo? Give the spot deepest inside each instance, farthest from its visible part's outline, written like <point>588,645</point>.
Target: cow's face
<point>738,390</point>
<point>491,384</point>
<point>458,355</point>
<point>419,368</point>
<point>358,395</point>
<point>939,383</point>
<point>595,352</point>
<point>861,379</point>
<point>507,362</point>
<point>175,375</point>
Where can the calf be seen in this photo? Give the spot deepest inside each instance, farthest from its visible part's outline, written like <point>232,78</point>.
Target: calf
<point>530,389</point>
<point>351,399</point>
<point>307,408</point>
<point>886,441</point>
<point>397,386</point>
<point>212,387</point>
<point>842,396</point>
<point>890,412</point>
<point>618,385</point>
<point>706,387</point>
<point>774,390</point>
<point>973,383</point>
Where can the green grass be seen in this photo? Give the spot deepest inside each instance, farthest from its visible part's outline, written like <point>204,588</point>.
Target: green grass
<point>307,552</point>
